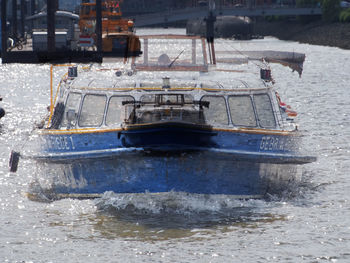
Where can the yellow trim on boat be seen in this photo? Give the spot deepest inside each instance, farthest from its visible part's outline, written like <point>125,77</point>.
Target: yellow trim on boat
<point>77,131</point>
<point>233,130</point>
<point>54,101</point>
<point>170,89</point>
<point>257,131</point>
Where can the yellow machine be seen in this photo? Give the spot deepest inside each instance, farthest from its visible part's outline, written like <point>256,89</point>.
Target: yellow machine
<point>117,32</point>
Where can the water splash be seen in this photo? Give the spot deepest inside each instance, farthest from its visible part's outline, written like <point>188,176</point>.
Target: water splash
<point>178,209</point>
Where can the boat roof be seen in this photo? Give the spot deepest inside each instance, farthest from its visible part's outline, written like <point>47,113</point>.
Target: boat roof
<point>119,80</point>
<point>58,13</point>
<point>183,60</point>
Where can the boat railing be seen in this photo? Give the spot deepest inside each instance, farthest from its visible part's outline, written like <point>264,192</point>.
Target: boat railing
<point>193,56</point>
<point>163,108</point>
<point>152,115</point>
<point>138,104</point>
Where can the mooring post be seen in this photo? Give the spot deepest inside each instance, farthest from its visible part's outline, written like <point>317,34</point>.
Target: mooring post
<point>32,7</point>
<point>210,20</point>
<point>99,28</point>
<point>22,17</point>
<point>51,42</point>
<point>14,19</point>
<point>3,31</point>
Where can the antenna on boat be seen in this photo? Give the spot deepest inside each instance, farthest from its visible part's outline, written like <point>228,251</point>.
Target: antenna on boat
<point>174,60</point>
<point>210,20</point>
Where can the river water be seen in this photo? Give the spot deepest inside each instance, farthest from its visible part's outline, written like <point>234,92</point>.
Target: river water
<point>310,223</point>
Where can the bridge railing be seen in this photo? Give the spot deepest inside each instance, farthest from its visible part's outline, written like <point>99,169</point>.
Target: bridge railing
<point>173,15</point>
<point>251,4</point>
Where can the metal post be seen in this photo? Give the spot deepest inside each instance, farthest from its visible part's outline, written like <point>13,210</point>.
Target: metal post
<point>23,3</point>
<point>210,20</point>
<point>32,7</point>
<point>145,51</point>
<point>194,53</point>
<point>3,30</point>
<point>14,19</point>
<point>99,27</point>
<point>51,88</point>
<point>51,43</point>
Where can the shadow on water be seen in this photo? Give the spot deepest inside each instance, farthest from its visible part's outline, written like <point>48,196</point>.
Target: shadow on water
<point>184,218</point>
<point>164,226</point>
<point>174,215</point>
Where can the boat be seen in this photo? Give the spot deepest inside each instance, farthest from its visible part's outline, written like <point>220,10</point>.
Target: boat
<point>172,121</point>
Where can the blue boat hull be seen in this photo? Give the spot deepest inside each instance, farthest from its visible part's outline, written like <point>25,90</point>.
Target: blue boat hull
<point>91,164</point>
<point>202,172</point>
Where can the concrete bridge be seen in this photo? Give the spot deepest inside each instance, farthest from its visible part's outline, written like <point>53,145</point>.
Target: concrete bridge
<point>168,16</point>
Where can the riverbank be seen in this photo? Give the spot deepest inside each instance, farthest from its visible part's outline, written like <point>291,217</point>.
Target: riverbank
<point>315,33</point>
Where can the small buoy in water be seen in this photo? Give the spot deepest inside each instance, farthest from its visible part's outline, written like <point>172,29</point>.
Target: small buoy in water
<point>14,159</point>
<point>2,113</point>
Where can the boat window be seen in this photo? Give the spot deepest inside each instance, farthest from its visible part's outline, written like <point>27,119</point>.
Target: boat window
<point>72,105</point>
<point>242,111</point>
<point>164,99</point>
<point>188,98</point>
<point>116,112</point>
<point>216,113</point>
<point>92,110</point>
<point>264,110</point>
<point>148,98</point>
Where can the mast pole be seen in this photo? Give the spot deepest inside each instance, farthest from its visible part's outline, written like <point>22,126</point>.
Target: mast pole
<point>3,30</point>
<point>99,28</point>
<point>210,20</point>
<point>51,34</point>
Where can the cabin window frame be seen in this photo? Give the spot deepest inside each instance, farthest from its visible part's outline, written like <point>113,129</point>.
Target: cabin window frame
<point>226,107</point>
<point>253,108</point>
<point>65,108</point>
<point>107,106</point>
<point>272,110</point>
<point>81,109</point>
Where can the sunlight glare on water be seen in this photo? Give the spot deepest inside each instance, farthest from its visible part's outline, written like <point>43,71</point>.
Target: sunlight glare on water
<point>310,223</point>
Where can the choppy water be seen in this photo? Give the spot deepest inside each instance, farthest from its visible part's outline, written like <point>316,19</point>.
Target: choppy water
<point>309,224</point>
